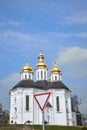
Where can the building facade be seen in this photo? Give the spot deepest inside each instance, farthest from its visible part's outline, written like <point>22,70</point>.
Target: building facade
<point>23,107</point>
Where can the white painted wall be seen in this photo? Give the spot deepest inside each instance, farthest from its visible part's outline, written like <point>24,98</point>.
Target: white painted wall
<point>38,74</point>
<point>34,114</point>
<point>26,75</point>
<point>58,77</point>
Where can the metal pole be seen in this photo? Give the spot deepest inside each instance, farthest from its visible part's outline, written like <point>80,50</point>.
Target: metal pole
<point>43,126</point>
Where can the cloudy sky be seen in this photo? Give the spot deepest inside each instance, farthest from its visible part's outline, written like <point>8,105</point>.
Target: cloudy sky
<point>57,27</point>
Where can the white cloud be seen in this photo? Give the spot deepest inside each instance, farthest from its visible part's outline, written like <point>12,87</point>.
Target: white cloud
<point>81,35</point>
<point>71,54</point>
<point>22,36</point>
<point>18,35</point>
<point>75,61</point>
<point>61,35</point>
<point>8,82</point>
<point>64,35</point>
<point>13,23</point>
<point>77,18</point>
<point>5,85</point>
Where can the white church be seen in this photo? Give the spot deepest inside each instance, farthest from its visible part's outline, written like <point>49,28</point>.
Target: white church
<point>24,108</point>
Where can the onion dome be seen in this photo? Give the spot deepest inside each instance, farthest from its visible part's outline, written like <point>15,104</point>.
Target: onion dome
<point>41,63</point>
<point>26,68</point>
<point>55,69</point>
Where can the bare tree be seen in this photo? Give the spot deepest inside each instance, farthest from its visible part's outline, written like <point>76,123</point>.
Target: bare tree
<point>4,115</point>
<point>75,103</point>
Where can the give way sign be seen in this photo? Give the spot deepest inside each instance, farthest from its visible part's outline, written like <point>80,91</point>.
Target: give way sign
<point>42,99</point>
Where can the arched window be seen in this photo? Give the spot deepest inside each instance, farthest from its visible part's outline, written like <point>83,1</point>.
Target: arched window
<point>15,100</point>
<point>55,78</point>
<point>38,74</point>
<point>25,76</point>
<point>15,109</point>
<point>44,74</point>
<point>52,78</point>
<point>57,103</point>
<point>29,77</point>
<point>41,74</point>
<point>27,103</point>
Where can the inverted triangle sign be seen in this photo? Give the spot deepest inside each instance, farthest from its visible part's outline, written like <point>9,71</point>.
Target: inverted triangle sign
<point>42,99</point>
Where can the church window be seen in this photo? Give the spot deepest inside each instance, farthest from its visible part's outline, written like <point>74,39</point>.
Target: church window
<point>29,77</point>
<point>52,78</point>
<point>57,103</point>
<point>22,76</point>
<point>15,109</point>
<point>41,74</point>
<point>25,76</point>
<point>11,121</point>
<point>44,74</point>
<point>27,103</point>
<point>55,77</point>
<point>15,100</point>
<point>38,74</point>
<point>59,77</point>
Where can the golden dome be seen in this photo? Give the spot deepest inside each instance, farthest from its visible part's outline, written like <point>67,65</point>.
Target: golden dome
<point>55,69</point>
<point>41,63</point>
<point>26,67</point>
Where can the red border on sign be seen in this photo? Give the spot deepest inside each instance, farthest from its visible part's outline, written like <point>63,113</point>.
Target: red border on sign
<point>41,94</point>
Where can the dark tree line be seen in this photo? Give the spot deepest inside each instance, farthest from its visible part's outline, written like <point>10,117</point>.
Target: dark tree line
<point>75,102</point>
<point>75,108</point>
<point>4,115</point>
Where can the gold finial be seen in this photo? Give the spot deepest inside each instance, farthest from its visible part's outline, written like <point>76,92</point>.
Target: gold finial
<point>55,65</point>
<point>40,57</point>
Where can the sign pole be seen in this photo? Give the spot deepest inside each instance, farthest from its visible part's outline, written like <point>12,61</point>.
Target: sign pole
<point>43,125</point>
<point>42,99</point>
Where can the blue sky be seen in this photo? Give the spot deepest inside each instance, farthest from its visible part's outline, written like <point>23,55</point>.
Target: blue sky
<point>57,27</point>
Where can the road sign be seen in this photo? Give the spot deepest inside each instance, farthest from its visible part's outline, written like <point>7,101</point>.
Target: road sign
<point>42,99</point>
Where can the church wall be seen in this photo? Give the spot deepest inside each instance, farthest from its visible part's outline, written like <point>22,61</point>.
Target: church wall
<point>59,117</point>
<point>55,75</point>
<point>16,106</point>
<point>28,114</point>
<point>48,115</point>
<point>26,75</point>
<point>38,74</point>
<point>74,121</point>
<point>54,117</point>
<point>68,108</point>
<point>21,114</point>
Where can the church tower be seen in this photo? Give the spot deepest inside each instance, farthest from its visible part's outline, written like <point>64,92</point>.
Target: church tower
<point>26,72</point>
<point>55,73</point>
<point>41,68</point>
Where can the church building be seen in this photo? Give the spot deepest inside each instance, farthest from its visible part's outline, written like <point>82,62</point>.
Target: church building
<point>23,107</point>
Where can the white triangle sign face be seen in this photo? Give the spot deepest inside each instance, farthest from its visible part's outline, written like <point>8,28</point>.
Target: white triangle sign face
<point>42,99</point>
